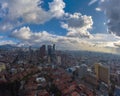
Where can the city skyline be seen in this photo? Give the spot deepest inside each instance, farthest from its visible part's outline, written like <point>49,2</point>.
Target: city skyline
<point>91,25</point>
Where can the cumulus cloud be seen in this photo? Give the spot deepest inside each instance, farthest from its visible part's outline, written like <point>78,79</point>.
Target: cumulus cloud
<point>78,25</point>
<point>25,34</point>
<point>111,9</point>
<point>99,42</point>
<point>17,12</point>
<point>104,40</point>
<point>57,8</point>
<point>27,10</point>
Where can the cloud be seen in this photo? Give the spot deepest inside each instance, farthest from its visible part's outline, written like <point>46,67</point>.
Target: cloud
<point>15,13</point>
<point>3,9</point>
<point>98,9</point>
<point>27,38</point>
<point>21,12</point>
<point>77,25</point>
<point>104,40</point>
<point>4,42</point>
<point>57,8</point>
<point>92,2</point>
<point>111,9</point>
<point>5,26</point>
<point>28,11</point>
<point>24,33</point>
<point>99,42</point>
<point>117,44</point>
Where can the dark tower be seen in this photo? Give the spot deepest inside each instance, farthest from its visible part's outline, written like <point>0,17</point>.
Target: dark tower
<point>42,51</point>
<point>49,49</point>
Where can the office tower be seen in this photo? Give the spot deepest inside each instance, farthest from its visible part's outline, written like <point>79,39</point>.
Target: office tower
<point>53,48</point>
<point>102,73</point>
<point>42,51</point>
<point>49,50</point>
<point>51,53</point>
<point>54,59</point>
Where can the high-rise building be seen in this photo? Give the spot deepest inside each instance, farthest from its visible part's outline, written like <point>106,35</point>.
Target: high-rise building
<point>30,53</point>
<point>49,50</point>
<point>51,53</point>
<point>82,71</point>
<point>102,73</point>
<point>97,69</point>
<point>42,51</point>
<point>118,77</point>
<point>53,48</point>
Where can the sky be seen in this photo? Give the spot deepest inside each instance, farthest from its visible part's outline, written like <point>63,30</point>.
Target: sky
<point>91,25</point>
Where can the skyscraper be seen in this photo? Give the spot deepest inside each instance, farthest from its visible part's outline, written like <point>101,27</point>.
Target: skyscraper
<point>51,53</point>
<point>49,50</point>
<point>102,73</point>
<point>42,51</point>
